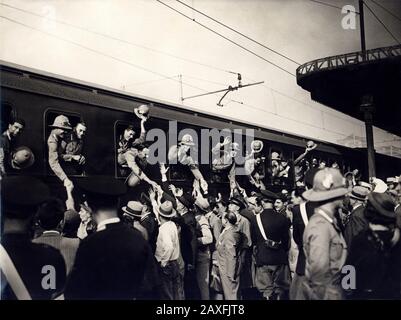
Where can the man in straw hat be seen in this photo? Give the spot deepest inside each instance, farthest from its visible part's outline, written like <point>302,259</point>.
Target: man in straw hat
<point>168,252</point>
<point>323,239</point>
<point>59,127</point>
<point>357,220</point>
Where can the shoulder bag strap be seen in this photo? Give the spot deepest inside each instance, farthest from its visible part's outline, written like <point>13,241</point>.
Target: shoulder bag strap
<point>261,229</point>
<point>11,274</point>
<point>302,208</point>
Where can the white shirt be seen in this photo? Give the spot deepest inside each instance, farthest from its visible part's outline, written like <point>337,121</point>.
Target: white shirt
<point>102,225</point>
<point>167,244</point>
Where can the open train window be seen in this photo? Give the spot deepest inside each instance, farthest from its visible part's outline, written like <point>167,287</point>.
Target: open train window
<point>179,172</point>
<point>72,167</point>
<point>280,171</point>
<point>124,134</point>
<point>7,114</point>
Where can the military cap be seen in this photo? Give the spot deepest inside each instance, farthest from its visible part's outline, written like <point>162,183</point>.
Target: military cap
<point>266,195</point>
<point>61,122</point>
<point>22,192</point>
<point>328,184</point>
<point>237,201</point>
<point>102,190</point>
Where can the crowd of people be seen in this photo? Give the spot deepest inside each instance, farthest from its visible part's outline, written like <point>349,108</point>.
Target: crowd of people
<point>332,236</point>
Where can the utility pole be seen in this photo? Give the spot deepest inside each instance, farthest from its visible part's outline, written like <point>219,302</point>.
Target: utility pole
<point>362,29</point>
<point>367,104</point>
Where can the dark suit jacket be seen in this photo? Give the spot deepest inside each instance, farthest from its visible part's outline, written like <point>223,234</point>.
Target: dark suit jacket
<point>356,223</point>
<point>110,264</point>
<point>7,145</point>
<point>298,228</point>
<point>29,259</point>
<point>277,227</point>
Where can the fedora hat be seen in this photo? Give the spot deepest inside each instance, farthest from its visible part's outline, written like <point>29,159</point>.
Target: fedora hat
<point>61,122</point>
<point>22,158</point>
<point>187,140</point>
<point>166,209</point>
<point>359,193</point>
<point>142,110</point>
<point>257,146</point>
<point>311,145</point>
<point>235,146</point>
<point>238,202</point>
<point>275,156</point>
<point>365,185</point>
<point>267,195</point>
<point>133,208</point>
<point>328,183</point>
<point>384,207</point>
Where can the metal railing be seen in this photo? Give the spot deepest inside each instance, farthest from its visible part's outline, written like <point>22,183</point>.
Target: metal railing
<point>347,59</point>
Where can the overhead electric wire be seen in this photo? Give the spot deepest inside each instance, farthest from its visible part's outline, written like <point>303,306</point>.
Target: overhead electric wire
<point>381,22</point>
<point>99,52</point>
<point>224,37</point>
<point>240,33</point>
<point>387,10</point>
<point>331,5</point>
<point>136,45</point>
<point>118,39</point>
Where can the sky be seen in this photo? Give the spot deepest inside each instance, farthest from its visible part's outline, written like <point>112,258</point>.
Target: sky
<point>143,47</point>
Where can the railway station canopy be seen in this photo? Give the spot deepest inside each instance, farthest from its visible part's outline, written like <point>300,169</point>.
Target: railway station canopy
<point>341,81</point>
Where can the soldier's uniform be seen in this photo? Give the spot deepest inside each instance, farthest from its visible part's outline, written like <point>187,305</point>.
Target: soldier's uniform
<point>55,147</point>
<point>72,146</point>
<point>55,154</point>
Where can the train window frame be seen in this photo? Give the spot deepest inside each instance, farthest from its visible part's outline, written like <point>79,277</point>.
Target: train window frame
<point>12,114</point>
<point>186,176</point>
<point>48,170</point>
<point>116,139</point>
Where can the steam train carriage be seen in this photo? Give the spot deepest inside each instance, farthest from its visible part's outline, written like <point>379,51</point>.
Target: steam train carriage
<point>38,97</point>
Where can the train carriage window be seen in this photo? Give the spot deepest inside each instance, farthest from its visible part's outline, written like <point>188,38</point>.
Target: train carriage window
<point>219,163</point>
<point>126,132</point>
<point>7,114</point>
<point>179,172</point>
<point>70,167</point>
<point>279,167</point>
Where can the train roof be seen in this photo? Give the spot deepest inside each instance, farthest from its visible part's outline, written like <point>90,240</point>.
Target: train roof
<point>104,93</point>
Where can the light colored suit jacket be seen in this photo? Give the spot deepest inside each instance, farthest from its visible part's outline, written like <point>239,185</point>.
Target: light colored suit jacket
<point>67,246</point>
